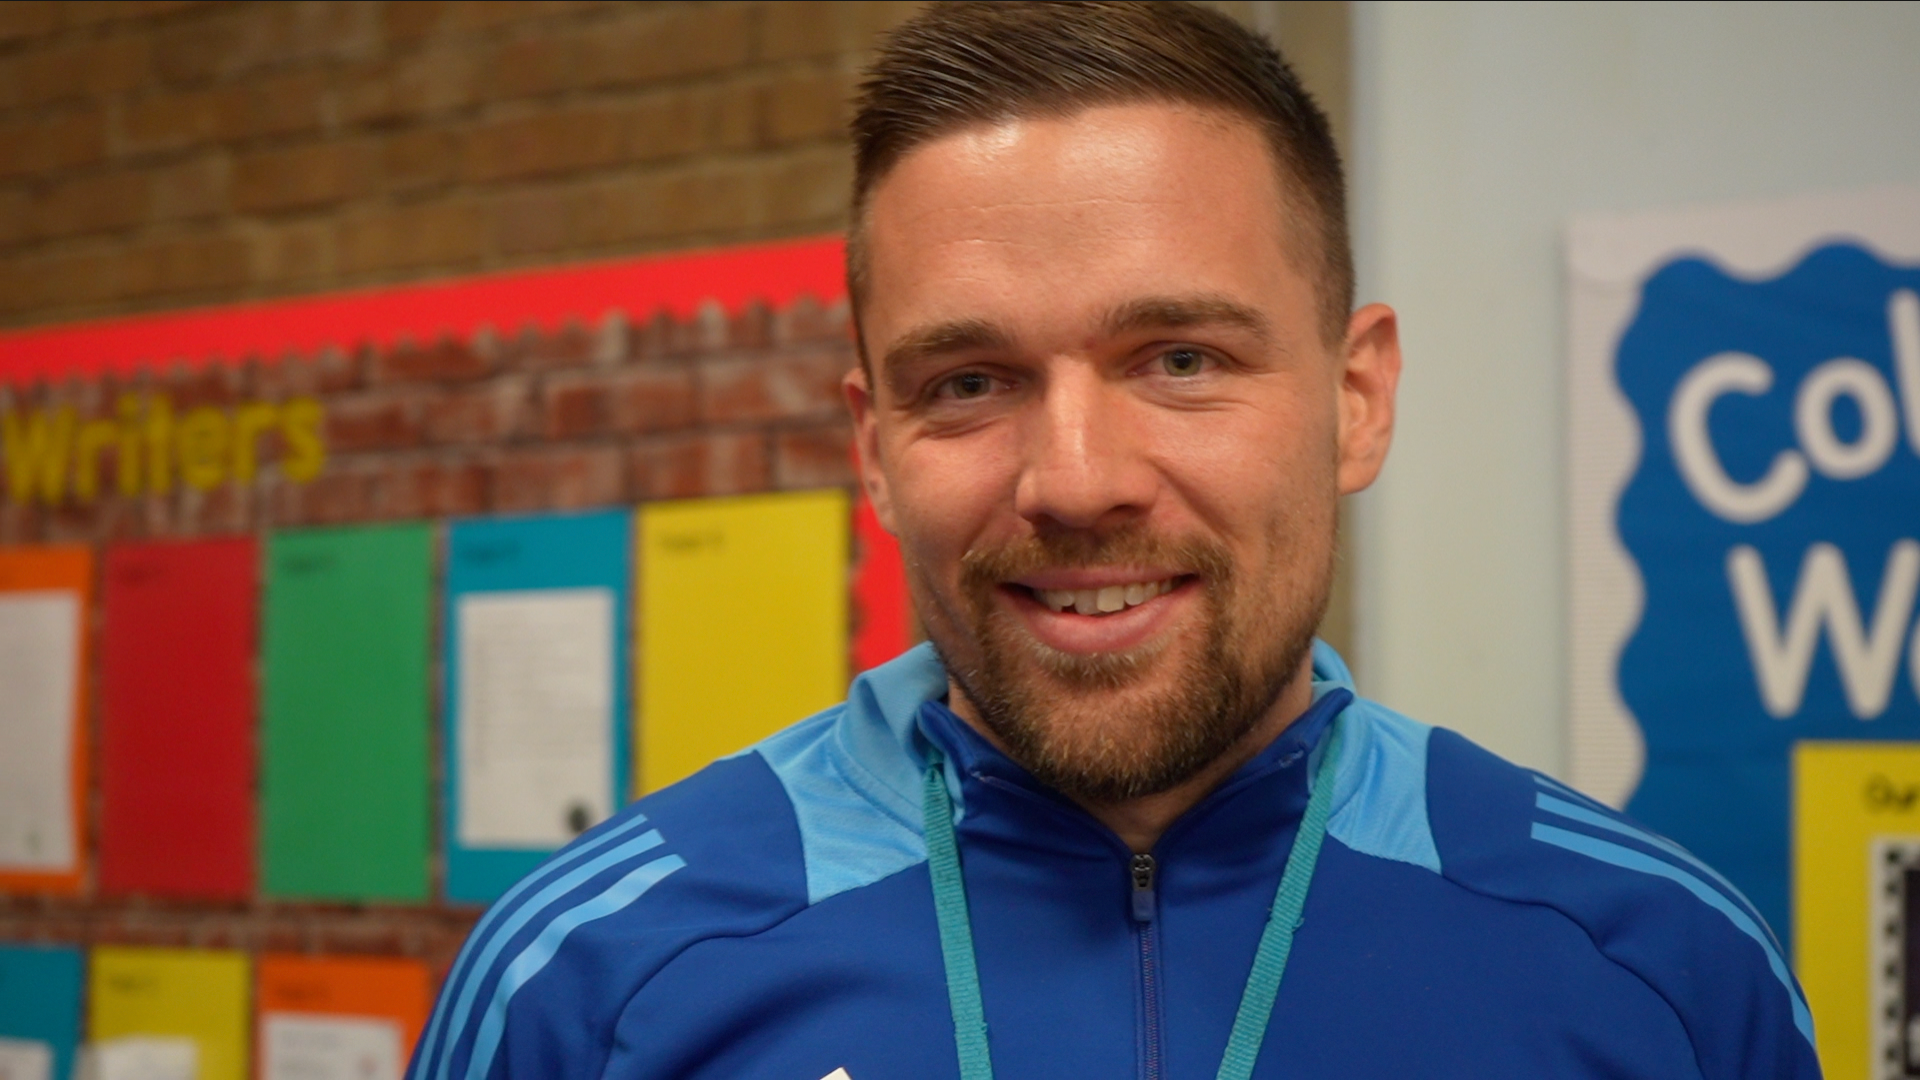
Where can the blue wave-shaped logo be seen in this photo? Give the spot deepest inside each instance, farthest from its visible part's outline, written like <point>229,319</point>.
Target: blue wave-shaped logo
<point>1775,520</point>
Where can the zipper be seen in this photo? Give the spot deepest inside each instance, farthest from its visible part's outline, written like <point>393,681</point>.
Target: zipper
<point>1144,901</point>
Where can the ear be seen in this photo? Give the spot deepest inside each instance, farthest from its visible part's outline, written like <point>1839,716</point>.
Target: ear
<point>866,444</point>
<point>1368,381</point>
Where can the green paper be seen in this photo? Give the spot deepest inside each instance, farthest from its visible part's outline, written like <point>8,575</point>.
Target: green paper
<point>345,790</point>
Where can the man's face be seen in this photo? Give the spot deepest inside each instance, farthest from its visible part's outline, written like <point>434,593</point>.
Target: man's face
<point>1108,432</point>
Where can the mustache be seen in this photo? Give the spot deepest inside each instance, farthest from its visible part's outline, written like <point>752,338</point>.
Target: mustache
<point>982,569</point>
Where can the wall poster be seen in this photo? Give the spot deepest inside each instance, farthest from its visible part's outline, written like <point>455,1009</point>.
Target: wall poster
<point>1745,557</point>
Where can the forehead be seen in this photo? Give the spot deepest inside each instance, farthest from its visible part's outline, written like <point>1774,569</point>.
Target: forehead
<point>1044,222</point>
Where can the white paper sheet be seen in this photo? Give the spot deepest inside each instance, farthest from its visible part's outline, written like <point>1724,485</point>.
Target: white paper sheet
<point>140,1057</point>
<point>39,654</point>
<point>535,715</point>
<point>302,1046</point>
<point>25,1059</point>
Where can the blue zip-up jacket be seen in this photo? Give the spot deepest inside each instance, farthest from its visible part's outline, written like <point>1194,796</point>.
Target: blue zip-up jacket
<point>772,917</point>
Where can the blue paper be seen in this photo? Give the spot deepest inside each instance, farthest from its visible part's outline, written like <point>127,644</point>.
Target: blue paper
<point>538,636</point>
<point>40,998</point>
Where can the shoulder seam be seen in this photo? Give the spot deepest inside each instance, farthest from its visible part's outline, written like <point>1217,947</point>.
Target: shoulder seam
<point>1678,1016</point>
<point>771,926</point>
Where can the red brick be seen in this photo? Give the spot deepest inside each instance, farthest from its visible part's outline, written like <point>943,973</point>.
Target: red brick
<point>336,496</point>
<point>534,221</point>
<point>533,66</point>
<point>571,347</point>
<point>490,413</point>
<point>192,189</point>
<point>669,42</point>
<point>418,159</point>
<point>790,31</point>
<point>446,360</point>
<point>186,265</point>
<point>450,236</point>
<point>27,18</point>
<point>285,105</point>
<point>630,402</point>
<point>97,203</point>
<point>805,322</point>
<point>808,105</point>
<point>696,465</point>
<point>560,479</point>
<point>792,386</point>
<point>422,84</point>
<point>808,190</point>
<point>45,143</point>
<point>316,174</point>
<point>162,122</point>
<point>417,489</point>
<point>78,70</point>
<point>295,253</point>
<point>814,457</point>
<point>552,141</point>
<point>372,422</point>
<point>16,215</point>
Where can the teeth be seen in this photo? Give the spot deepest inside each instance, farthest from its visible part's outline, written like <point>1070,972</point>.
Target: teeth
<point>1104,601</point>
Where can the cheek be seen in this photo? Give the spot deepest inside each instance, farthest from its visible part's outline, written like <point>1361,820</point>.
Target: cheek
<point>946,495</point>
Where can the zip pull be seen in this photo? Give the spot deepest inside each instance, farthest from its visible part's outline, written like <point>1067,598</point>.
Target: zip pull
<point>1143,899</point>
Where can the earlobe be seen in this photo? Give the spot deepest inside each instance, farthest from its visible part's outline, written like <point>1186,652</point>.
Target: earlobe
<point>1368,381</point>
<point>866,445</point>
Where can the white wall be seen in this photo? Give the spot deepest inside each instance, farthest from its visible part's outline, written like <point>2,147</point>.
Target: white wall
<point>1480,128</point>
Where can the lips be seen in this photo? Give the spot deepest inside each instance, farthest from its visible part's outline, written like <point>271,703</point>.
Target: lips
<point>1090,612</point>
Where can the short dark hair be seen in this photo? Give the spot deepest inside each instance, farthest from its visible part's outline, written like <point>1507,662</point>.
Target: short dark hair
<point>965,62</point>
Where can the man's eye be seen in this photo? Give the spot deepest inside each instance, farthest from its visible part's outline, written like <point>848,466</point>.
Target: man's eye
<point>970,384</point>
<point>1183,363</point>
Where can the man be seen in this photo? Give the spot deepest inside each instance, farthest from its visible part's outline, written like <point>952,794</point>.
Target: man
<point>1121,817</point>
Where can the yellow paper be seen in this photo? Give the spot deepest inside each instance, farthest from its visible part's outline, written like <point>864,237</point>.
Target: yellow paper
<point>199,994</point>
<point>743,623</point>
<point>1846,796</point>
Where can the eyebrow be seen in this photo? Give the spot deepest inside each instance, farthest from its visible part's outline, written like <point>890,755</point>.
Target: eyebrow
<point>1173,312</point>
<point>939,339</point>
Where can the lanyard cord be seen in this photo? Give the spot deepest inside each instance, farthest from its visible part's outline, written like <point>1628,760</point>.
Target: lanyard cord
<point>1269,962</point>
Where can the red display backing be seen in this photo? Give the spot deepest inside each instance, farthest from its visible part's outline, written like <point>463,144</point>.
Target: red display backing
<point>177,719</point>
<point>772,274</point>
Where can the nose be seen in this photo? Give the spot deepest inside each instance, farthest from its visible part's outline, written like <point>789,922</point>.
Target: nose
<point>1084,464</point>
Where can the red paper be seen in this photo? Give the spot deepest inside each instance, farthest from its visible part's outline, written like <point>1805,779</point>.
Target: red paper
<point>882,625</point>
<point>177,719</point>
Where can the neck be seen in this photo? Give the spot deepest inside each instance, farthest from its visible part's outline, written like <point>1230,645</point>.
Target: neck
<point>1140,822</point>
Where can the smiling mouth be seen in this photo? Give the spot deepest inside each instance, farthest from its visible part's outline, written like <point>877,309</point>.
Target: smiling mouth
<point>1107,600</point>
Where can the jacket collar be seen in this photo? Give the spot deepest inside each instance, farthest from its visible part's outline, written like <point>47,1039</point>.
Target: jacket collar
<point>896,709</point>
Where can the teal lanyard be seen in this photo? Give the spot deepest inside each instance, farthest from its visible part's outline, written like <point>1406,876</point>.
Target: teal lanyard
<point>1269,962</point>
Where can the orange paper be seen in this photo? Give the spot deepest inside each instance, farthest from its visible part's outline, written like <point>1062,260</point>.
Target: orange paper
<point>44,570</point>
<point>348,987</point>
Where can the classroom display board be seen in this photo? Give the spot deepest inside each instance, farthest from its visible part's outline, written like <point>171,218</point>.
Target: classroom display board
<point>538,689</point>
<point>39,1011</point>
<point>324,620</point>
<point>177,718</point>
<point>1745,468</point>
<point>339,1018</point>
<point>743,623</point>
<point>152,1004</point>
<point>45,594</point>
<point>347,638</point>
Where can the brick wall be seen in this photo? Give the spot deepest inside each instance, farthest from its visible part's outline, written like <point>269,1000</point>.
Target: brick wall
<point>162,153</point>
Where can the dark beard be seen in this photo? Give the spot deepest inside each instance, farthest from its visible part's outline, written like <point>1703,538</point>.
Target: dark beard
<point>1214,703</point>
